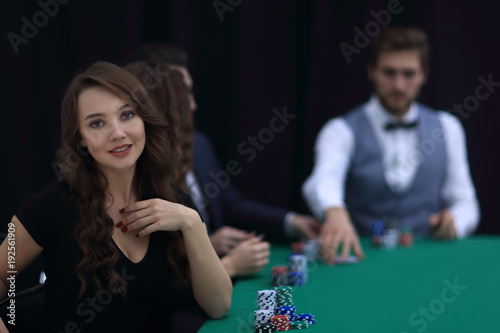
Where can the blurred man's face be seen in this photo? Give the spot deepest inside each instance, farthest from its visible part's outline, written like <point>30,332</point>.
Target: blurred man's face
<point>189,83</point>
<point>397,77</point>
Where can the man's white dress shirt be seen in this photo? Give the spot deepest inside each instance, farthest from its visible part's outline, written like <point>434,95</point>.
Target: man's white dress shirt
<point>334,149</point>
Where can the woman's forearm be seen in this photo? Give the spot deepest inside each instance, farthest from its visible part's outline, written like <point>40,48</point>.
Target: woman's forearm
<point>212,286</point>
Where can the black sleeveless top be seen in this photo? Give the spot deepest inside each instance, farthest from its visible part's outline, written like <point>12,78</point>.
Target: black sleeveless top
<point>50,218</point>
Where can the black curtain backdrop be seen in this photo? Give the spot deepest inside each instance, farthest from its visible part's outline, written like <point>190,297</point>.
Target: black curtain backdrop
<point>247,58</point>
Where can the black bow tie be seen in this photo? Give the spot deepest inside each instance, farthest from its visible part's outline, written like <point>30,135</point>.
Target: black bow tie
<point>393,125</point>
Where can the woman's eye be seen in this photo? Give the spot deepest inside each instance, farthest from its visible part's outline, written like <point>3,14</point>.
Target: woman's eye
<point>96,123</point>
<point>128,114</point>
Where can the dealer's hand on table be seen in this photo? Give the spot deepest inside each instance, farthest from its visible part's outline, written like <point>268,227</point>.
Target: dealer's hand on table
<point>248,257</point>
<point>305,226</point>
<point>443,224</point>
<point>226,238</point>
<point>338,231</point>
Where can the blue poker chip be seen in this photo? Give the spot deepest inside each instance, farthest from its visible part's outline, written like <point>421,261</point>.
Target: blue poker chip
<point>306,317</point>
<point>297,278</point>
<point>286,310</point>
<point>378,228</point>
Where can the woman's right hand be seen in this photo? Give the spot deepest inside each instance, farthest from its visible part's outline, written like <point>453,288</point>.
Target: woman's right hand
<point>148,216</point>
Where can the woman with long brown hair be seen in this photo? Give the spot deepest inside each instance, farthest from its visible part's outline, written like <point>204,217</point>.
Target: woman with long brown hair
<point>120,252</point>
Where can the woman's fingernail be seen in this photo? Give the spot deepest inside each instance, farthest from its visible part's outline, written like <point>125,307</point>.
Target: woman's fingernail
<point>122,210</point>
<point>120,224</point>
<point>137,235</point>
<point>125,229</point>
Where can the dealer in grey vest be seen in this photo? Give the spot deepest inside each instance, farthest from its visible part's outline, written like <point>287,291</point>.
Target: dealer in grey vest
<point>368,195</point>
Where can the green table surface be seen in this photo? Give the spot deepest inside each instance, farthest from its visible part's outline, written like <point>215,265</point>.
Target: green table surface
<point>433,286</point>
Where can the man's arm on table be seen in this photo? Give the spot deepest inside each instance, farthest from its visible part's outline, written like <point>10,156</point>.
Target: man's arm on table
<point>324,190</point>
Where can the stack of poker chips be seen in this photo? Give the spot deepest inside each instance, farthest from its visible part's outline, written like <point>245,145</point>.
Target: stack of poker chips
<point>266,299</point>
<point>406,237</point>
<point>298,247</point>
<point>298,270</point>
<point>377,233</point>
<point>311,250</point>
<point>279,276</point>
<point>390,240</point>
<point>277,313</point>
<point>284,296</point>
<point>286,310</point>
<point>280,322</point>
<point>389,237</point>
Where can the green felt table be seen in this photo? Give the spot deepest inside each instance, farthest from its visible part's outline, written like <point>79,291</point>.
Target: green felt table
<point>433,286</point>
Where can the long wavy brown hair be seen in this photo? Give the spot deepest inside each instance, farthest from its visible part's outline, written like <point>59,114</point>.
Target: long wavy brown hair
<point>88,184</point>
<point>171,98</point>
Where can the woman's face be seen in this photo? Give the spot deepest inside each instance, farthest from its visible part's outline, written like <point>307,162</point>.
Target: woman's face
<point>111,130</point>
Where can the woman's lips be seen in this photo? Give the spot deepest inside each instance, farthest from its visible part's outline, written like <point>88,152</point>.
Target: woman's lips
<point>121,150</point>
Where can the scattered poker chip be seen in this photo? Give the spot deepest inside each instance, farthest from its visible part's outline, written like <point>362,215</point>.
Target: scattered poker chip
<point>299,325</point>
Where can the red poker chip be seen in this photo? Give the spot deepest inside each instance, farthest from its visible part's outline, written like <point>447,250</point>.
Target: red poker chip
<point>298,247</point>
<point>279,270</point>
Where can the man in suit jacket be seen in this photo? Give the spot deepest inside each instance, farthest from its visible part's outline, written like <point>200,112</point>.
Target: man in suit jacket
<point>231,215</point>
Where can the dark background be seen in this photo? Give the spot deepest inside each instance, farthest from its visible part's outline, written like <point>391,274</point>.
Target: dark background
<point>263,55</point>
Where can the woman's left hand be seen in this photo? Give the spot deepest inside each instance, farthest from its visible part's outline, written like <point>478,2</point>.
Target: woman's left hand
<point>148,216</point>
